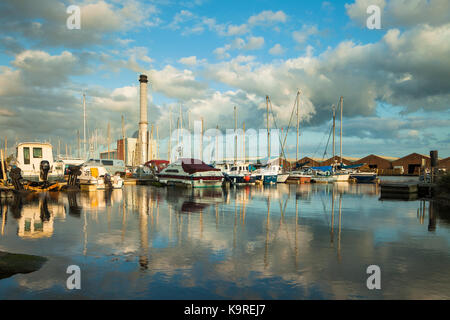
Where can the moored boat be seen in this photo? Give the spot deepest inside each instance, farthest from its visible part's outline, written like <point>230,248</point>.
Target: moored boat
<point>97,178</point>
<point>191,173</point>
<point>237,173</point>
<point>364,177</point>
<point>298,177</point>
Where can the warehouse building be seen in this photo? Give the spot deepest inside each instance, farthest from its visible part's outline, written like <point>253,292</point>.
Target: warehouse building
<point>336,159</point>
<point>377,162</point>
<point>412,163</point>
<point>444,164</point>
<point>312,162</point>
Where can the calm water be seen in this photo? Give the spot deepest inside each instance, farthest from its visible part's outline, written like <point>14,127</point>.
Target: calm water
<point>284,242</point>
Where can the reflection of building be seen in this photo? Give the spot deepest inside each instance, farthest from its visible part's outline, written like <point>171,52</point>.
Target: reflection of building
<point>36,219</point>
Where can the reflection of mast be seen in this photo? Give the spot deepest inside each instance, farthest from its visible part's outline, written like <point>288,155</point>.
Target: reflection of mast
<point>123,220</point>
<point>339,232</point>
<point>296,226</point>
<point>235,222</point>
<point>217,216</point>
<point>332,218</point>
<point>4,212</point>
<point>340,140</point>
<point>85,233</point>
<point>266,248</point>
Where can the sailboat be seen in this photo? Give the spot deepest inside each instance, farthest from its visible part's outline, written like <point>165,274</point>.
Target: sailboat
<point>298,175</point>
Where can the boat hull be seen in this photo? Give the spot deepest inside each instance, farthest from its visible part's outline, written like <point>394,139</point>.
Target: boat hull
<point>242,179</point>
<point>267,179</point>
<point>298,178</point>
<point>364,178</point>
<point>282,177</point>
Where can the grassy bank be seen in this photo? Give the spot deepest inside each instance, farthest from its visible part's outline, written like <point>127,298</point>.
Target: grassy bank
<point>12,263</point>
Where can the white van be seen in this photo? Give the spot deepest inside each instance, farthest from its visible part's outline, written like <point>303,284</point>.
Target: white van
<point>29,156</point>
<point>113,166</point>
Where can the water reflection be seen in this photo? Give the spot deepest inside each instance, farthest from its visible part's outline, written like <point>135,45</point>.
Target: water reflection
<point>285,241</point>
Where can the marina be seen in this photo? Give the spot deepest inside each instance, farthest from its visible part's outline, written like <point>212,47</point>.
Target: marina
<point>224,150</point>
<point>307,241</point>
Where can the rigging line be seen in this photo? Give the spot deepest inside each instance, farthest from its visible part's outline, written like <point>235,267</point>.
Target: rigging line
<point>321,142</point>
<point>325,152</point>
<point>290,120</point>
<point>276,127</point>
<point>324,210</point>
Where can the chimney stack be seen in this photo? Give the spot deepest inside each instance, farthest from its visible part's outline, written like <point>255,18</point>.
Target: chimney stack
<point>143,122</point>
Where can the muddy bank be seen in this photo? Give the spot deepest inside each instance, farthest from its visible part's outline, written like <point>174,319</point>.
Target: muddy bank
<point>12,263</point>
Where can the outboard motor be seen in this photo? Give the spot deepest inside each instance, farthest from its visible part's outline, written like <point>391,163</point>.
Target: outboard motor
<point>107,179</point>
<point>44,169</point>
<point>16,175</point>
<point>74,172</point>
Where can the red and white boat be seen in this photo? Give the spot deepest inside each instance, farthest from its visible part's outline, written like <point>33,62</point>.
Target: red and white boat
<point>191,173</point>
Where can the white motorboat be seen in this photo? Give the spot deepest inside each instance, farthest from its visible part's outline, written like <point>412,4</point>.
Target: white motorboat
<point>98,178</point>
<point>191,173</point>
<point>237,173</point>
<point>29,156</point>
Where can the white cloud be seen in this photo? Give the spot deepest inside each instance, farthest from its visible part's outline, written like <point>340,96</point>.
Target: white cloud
<point>189,61</point>
<point>267,17</point>
<point>396,13</point>
<point>276,50</point>
<point>302,35</point>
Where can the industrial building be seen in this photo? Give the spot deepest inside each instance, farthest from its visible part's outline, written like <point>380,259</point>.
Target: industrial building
<point>444,164</point>
<point>336,159</point>
<point>374,161</point>
<point>412,163</point>
<point>312,162</point>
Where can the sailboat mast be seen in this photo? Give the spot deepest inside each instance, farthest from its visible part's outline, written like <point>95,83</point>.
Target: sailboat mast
<point>79,146</point>
<point>243,140</point>
<point>109,137</point>
<point>298,124</point>
<point>170,133</point>
<point>334,129</point>
<point>157,142</point>
<point>201,140</point>
<point>342,100</point>
<point>268,129</point>
<point>84,124</point>
<point>235,136</point>
<point>217,144</point>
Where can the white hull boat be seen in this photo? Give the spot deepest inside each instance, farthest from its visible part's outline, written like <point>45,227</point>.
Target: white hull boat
<point>191,173</point>
<point>97,178</point>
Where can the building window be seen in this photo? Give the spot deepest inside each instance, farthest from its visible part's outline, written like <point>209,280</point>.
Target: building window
<point>37,153</point>
<point>26,155</point>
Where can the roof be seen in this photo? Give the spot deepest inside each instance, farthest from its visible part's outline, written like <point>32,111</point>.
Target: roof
<point>382,157</point>
<point>35,142</point>
<point>195,165</point>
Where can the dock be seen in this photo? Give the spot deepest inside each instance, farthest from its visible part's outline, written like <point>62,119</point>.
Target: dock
<point>406,190</point>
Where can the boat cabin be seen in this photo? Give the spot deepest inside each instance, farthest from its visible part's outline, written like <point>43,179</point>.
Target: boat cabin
<point>29,156</point>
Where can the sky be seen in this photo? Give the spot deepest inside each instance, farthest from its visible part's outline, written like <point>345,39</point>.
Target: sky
<point>208,56</point>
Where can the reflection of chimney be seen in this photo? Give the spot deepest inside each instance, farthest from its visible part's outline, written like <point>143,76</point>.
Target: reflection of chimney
<point>143,140</point>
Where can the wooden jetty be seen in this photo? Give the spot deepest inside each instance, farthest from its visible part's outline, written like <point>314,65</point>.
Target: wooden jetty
<point>406,190</point>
